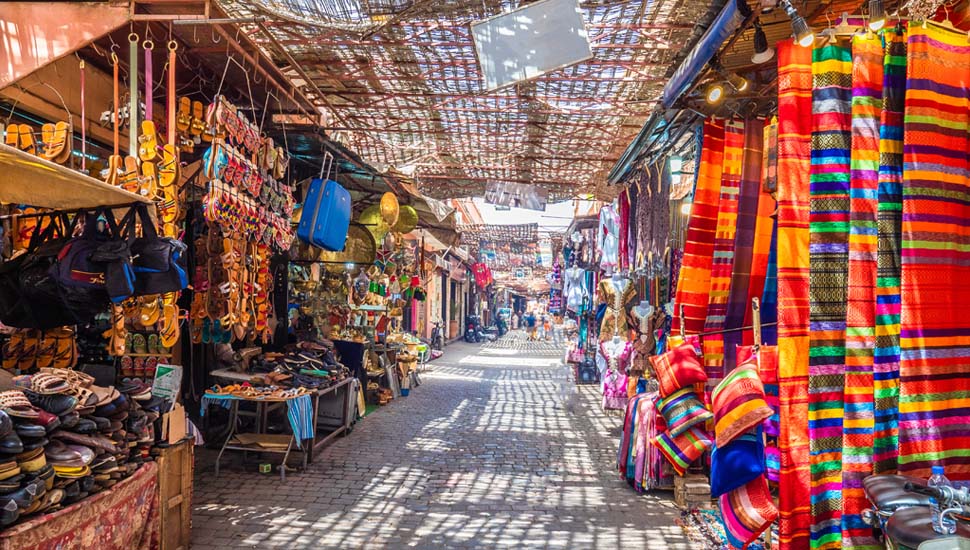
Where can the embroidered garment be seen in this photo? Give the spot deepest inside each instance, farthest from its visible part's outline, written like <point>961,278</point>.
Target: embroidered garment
<point>607,239</point>
<point>616,296</point>
<point>574,288</point>
<point>613,361</point>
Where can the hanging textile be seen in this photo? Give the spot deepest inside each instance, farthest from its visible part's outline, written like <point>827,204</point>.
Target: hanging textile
<point>742,281</point>
<point>723,263</point>
<point>794,134</point>
<point>661,220</point>
<point>828,260</point>
<point>633,233</point>
<point>623,211</point>
<point>769,298</point>
<point>769,162</point>
<point>694,281</point>
<point>934,366</point>
<point>886,353</point>
<point>860,322</point>
<point>762,250</point>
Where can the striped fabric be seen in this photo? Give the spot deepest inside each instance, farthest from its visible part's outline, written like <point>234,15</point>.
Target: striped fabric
<point>747,512</point>
<point>769,163</point>
<point>886,353</point>
<point>743,278</point>
<point>681,410</point>
<point>722,266</point>
<point>769,298</point>
<point>867,60</point>
<point>761,253</point>
<point>934,365</point>
<point>794,130</point>
<point>739,403</point>
<point>694,280</point>
<point>300,413</point>
<point>828,258</point>
<point>683,450</point>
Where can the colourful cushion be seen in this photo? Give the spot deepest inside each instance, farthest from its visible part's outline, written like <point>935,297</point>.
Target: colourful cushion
<point>681,410</point>
<point>678,368</point>
<point>739,403</point>
<point>684,449</point>
<point>747,511</point>
<point>737,463</point>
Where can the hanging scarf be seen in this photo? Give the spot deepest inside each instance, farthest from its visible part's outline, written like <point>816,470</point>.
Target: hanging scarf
<point>867,53</point>
<point>694,281</point>
<point>727,221</point>
<point>886,353</point>
<point>828,261</point>
<point>794,134</point>
<point>769,298</point>
<point>934,328</point>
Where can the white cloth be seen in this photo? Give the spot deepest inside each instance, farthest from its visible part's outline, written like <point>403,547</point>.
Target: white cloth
<point>607,237</point>
<point>574,290</point>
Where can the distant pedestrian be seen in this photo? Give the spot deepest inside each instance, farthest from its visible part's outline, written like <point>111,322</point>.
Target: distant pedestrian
<point>530,325</point>
<point>515,321</point>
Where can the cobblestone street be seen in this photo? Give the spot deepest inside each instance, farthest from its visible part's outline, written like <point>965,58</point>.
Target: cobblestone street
<point>481,455</point>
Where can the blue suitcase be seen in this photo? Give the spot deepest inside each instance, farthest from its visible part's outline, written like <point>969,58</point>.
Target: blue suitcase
<point>326,215</point>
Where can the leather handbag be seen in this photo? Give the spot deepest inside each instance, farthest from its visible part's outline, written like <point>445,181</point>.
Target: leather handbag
<point>15,307</point>
<point>158,262</point>
<point>326,215</point>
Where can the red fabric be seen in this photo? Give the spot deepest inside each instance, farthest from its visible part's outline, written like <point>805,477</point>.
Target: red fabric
<point>624,213</point>
<point>125,517</point>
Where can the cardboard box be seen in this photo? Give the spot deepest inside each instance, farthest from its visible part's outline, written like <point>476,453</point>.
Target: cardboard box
<point>173,424</point>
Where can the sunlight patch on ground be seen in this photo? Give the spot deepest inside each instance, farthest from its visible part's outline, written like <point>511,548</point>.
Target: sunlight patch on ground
<point>508,361</point>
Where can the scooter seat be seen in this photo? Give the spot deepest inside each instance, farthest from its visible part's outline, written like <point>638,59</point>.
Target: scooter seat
<point>910,527</point>
<point>886,492</point>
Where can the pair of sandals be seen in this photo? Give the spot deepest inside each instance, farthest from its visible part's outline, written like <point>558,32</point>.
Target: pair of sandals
<point>27,349</point>
<point>57,139</point>
<point>190,123</point>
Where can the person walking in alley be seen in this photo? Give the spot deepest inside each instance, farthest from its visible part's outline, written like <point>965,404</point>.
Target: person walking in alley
<point>530,325</point>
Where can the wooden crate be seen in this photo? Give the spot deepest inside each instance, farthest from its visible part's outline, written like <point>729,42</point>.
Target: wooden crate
<point>692,491</point>
<point>175,475</point>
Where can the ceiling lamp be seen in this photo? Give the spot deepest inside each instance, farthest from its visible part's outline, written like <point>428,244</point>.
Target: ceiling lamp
<point>715,93</point>
<point>762,53</point>
<point>877,15</point>
<point>739,83</point>
<point>804,35</point>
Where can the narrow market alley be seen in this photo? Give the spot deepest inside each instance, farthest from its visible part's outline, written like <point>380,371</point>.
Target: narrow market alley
<point>485,455</point>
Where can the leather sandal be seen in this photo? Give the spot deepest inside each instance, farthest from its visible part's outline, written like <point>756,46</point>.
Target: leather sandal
<point>197,126</point>
<point>184,117</point>
<point>148,182</point>
<point>12,136</point>
<point>130,180</point>
<point>27,140</point>
<point>114,166</point>
<point>168,168</point>
<point>148,141</point>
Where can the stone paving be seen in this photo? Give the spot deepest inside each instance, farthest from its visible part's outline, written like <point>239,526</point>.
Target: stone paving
<point>482,455</point>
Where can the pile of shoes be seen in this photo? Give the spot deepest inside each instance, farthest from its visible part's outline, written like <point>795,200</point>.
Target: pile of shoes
<point>307,369</point>
<point>63,438</point>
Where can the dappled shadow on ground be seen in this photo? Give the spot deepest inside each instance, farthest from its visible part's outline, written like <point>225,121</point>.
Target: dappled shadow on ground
<point>482,455</point>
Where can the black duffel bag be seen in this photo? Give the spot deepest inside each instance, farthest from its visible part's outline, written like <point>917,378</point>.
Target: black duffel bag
<point>51,232</point>
<point>158,262</point>
<point>42,294</point>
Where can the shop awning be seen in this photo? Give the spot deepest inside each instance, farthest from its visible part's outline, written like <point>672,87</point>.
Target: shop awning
<point>38,182</point>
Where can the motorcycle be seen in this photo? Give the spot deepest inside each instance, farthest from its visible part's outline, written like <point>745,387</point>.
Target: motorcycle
<point>473,329</point>
<point>437,337</point>
<point>901,513</point>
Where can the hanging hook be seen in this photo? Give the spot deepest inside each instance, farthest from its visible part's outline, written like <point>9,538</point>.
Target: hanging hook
<point>214,39</point>
<point>195,37</point>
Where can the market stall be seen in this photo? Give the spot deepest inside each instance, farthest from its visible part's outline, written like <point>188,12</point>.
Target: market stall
<point>811,279</point>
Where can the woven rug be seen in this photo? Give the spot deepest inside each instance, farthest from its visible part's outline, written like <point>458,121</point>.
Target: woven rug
<point>860,322</point>
<point>742,277</point>
<point>723,264</point>
<point>794,131</point>
<point>694,281</point>
<point>886,353</point>
<point>828,289</point>
<point>934,404</point>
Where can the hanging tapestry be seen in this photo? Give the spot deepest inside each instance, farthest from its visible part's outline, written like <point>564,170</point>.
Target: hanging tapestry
<point>623,210</point>
<point>661,221</point>
<point>828,260</point>
<point>743,277</point>
<point>769,298</point>
<point>727,221</point>
<point>794,135</point>
<point>694,282</point>
<point>934,365</point>
<point>763,246</point>
<point>886,353</point>
<point>860,322</point>
<point>769,163</point>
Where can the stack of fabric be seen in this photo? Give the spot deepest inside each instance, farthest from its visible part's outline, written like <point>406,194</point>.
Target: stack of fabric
<point>679,372</point>
<point>63,438</point>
